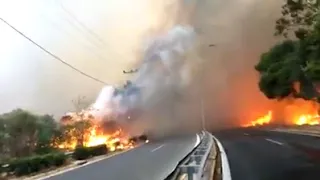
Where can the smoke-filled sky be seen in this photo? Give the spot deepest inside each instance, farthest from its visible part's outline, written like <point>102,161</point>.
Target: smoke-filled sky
<point>99,37</point>
<point>241,30</point>
<point>29,78</point>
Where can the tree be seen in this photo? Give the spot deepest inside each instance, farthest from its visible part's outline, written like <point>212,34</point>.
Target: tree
<point>279,70</point>
<point>23,133</point>
<point>3,138</point>
<point>292,67</point>
<point>47,131</point>
<point>22,128</point>
<point>80,103</point>
<point>298,17</point>
<point>82,123</point>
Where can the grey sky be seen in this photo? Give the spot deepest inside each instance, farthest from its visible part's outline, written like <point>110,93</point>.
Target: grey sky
<point>31,79</point>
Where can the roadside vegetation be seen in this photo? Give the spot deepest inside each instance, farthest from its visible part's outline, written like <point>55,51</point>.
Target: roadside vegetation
<point>29,143</point>
<point>291,68</point>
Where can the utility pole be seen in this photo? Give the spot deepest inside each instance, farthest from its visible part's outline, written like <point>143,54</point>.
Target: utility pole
<point>201,94</point>
<point>203,118</point>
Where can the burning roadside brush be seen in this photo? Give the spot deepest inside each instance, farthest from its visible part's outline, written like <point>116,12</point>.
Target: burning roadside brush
<point>83,129</point>
<point>293,112</point>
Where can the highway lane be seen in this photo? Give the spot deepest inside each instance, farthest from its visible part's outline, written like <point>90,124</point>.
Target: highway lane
<point>264,155</point>
<point>152,161</point>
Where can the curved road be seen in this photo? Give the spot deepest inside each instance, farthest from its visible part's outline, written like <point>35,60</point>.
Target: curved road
<point>152,161</point>
<point>266,155</point>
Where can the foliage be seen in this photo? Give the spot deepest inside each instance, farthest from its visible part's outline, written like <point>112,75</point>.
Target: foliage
<point>46,134</point>
<point>23,134</point>
<point>298,17</point>
<point>292,67</point>
<point>81,152</point>
<point>32,164</point>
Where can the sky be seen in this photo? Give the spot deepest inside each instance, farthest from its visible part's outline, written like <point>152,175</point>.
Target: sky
<point>111,37</point>
<point>99,37</point>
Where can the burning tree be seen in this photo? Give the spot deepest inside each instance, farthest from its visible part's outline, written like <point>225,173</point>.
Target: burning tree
<point>82,128</point>
<point>88,131</point>
<point>290,71</point>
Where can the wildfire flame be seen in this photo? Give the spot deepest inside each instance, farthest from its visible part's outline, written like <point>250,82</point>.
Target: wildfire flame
<point>266,119</point>
<point>94,135</point>
<point>299,112</point>
<point>307,119</point>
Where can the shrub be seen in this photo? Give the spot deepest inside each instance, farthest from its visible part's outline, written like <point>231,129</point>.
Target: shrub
<point>28,165</point>
<point>21,166</point>
<point>58,159</point>
<point>81,152</point>
<point>98,150</point>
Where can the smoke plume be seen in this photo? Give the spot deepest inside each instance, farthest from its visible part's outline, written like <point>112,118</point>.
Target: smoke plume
<point>207,51</point>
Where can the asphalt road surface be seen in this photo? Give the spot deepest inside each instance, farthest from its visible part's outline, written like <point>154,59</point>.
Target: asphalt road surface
<point>263,155</point>
<point>152,161</point>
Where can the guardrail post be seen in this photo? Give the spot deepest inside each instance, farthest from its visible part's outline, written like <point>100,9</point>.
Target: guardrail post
<point>189,170</point>
<point>194,165</point>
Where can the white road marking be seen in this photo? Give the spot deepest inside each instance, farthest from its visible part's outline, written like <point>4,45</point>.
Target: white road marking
<point>197,141</point>
<point>226,173</point>
<point>246,134</point>
<point>157,148</point>
<point>274,141</point>
<point>77,167</point>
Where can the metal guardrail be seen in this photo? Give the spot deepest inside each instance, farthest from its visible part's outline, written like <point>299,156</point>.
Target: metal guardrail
<point>192,166</point>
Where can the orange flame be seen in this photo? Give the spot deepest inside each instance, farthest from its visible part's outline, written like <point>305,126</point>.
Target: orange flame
<point>266,119</point>
<point>295,112</point>
<point>307,119</point>
<point>95,135</point>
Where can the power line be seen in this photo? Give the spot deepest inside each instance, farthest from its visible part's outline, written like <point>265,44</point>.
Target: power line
<point>51,54</point>
<point>77,26</point>
<point>88,30</point>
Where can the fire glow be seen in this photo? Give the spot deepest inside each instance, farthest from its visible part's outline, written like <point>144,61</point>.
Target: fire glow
<point>266,119</point>
<point>300,112</point>
<point>95,135</point>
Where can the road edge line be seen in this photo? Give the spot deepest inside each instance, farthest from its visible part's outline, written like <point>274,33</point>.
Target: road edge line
<point>296,133</point>
<point>86,164</point>
<point>172,173</point>
<point>226,173</point>
<point>274,141</point>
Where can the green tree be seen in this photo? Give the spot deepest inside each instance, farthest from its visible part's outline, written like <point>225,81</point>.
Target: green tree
<point>3,139</point>
<point>298,17</point>
<point>23,133</point>
<point>22,130</point>
<point>292,67</point>
<point>47,131</point>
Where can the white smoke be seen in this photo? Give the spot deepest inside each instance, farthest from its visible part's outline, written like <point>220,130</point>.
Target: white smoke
<point>164,68</point>
<point>161,82</point>
<point>104,98</point>
<point>163,76</point>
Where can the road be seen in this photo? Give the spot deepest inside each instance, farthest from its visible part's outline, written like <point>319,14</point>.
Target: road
<point>152,161</point>
<point>263,155</point>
